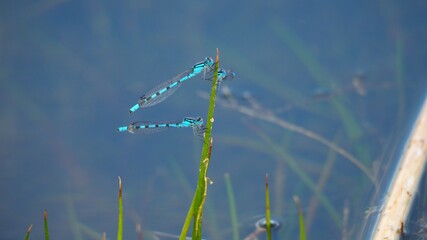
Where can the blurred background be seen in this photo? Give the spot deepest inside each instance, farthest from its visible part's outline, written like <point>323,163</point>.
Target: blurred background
<point>353,73</point>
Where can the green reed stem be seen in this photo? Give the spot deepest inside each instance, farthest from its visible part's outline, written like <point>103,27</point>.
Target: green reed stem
<point>232,204</point>
<point>267,209</point>
<point>196,209</point>
<point>120,217</point>
<point>201,190</point>
<point>187,221</point>
<point>292,163</point>
<point>46,226</point>
<point>27,235</point>
<point>302,235</point>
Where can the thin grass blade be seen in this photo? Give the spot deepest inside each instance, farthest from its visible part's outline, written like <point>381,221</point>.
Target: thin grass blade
<point>120,217</point>
<point>203,180</point>
<point>46,227</point>
<point>267,209</point>
<point>232,204</point>
<point>302,235</point>
<point>27,235</point>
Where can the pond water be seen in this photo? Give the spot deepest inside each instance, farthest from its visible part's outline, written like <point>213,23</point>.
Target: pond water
<point>323,99</point>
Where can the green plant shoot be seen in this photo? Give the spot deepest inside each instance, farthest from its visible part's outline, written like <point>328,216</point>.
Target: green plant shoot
<point>267,209</point>
<point>120,217</point>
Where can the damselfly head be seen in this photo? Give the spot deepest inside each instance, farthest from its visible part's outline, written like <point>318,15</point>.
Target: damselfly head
<point>222,73</point>
<point>227,74</point>
<point>209,61</point>
<point>231,73</point>
<point>199,121</point>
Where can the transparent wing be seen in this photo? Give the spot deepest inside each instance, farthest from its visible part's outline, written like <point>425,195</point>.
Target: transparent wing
<point>148,131</point>
<point>164,90</point>
<point>132,128</point>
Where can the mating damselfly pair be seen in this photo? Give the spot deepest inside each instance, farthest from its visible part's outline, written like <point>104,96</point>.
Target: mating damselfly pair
<point>205,69</point>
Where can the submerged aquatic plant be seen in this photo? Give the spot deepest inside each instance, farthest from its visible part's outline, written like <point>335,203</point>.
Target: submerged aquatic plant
<point>232,204</point>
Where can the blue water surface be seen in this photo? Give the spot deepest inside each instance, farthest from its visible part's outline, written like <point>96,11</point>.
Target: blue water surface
<point>351,72</point>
